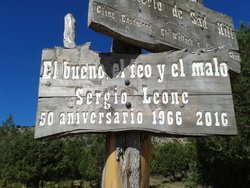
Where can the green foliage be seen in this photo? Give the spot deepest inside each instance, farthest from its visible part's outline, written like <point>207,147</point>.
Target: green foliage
<point>92,169</point>
<point>7,137</point>
<point>173,159</point>
<point>225,161</point>
<point>72,151</point>
<point>26,165</point>
<point>9,122</point>
<point>30,162</point>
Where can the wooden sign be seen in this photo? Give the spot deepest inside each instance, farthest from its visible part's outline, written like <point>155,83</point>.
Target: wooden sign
<point>181,93</point>
<point>163,25</point>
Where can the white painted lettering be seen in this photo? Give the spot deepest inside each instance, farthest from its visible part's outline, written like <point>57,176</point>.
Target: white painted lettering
<point>168,118</point>
<point>177,12</point>
<point>199,20</point>
<point>161,69</point>
<point>212,119</point>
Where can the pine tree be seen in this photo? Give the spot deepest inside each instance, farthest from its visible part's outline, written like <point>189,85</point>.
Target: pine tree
<point>9,123</point>
<point>225,161</point>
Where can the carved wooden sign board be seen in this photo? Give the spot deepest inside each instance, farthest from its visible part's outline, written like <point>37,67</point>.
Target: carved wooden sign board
<point>160,25</point>
<point>177,93</point>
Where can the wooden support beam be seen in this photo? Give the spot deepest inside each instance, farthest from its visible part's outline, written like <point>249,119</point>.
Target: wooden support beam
<point>198,1</point>
<point>69,31</point>
<point>128,155</point>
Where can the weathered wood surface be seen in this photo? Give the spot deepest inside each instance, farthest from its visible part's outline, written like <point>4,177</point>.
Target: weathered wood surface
<point>146,158</point>
<point>69,31</point>
<point>198,1</point>
<point>128,155</point>
<point>63,101</point>
<point>67,119</point>
<point>121,151</point>
<point>163,25</point>
<point>82,56</point>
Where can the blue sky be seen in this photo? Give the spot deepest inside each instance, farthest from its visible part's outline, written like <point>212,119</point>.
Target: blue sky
<point>28,26</point>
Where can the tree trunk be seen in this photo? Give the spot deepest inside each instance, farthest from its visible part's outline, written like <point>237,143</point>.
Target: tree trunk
<point>42,184</point>
<point>5,183</point>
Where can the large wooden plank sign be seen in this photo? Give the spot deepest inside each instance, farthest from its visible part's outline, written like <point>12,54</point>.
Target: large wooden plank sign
<point>160,25</point>
<point>181,93</point>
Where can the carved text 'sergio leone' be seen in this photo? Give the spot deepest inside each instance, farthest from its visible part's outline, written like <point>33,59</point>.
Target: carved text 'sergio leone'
<point>181,93</point>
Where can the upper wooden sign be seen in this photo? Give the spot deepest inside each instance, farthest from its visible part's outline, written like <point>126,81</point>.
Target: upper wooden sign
<point>180,93</point>
<point>160,25</point>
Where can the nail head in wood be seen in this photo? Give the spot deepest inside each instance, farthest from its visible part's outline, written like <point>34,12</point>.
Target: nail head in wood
<point>127,82</point>
<point>128,105</point>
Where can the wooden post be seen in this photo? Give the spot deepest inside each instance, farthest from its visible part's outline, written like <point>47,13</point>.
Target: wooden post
<point>128,155</point>
<point>69,31</point>
<point>198,1</point>
<point>201,2</point>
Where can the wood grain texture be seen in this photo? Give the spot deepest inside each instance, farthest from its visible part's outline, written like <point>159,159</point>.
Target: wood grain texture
<point>61,87</point>
<point>120,172</point>
<point>202,103</point>
<point>146,157</point>
<point>111,173</point>
<point>69,31</point>
<point>198,1</point>
<point>125,146</point>
<point>60,113</point>
<point>157,30</point>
